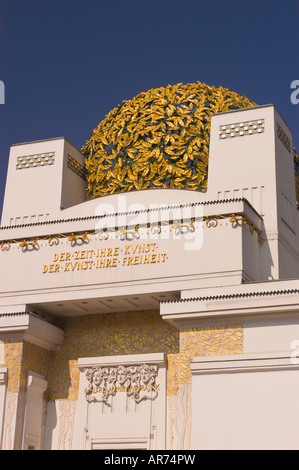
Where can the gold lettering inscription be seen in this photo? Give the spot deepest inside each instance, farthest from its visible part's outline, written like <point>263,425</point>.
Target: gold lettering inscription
<point>105,258</point>
<point>62,257</point>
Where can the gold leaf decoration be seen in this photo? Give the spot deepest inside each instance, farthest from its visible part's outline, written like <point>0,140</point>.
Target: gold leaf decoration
<point>159,139</point>
<point>112,334</point>
<point>208,341</point>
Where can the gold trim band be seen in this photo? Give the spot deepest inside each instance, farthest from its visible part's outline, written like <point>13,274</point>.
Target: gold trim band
<point>130,233</point>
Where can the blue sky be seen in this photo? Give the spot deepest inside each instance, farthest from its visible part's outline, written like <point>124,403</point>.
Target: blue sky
<point>66,63</point>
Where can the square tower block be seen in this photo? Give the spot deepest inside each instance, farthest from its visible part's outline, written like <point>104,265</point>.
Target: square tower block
<point>251,156</point>
<point>43,178</point>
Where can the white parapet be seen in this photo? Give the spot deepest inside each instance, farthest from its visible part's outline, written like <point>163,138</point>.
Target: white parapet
<point>43,178</point>
<point>251,156</point>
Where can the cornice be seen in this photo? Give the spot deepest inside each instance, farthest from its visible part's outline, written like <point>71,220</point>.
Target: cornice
<point>19,314</point>
<point>232,296</point>
<point>120,214</point>
<point>192,311</point>
<point>129,230</point>
<point>31,327</point>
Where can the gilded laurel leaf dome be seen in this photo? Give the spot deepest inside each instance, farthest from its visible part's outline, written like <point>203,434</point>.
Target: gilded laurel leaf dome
<point>159,139</point>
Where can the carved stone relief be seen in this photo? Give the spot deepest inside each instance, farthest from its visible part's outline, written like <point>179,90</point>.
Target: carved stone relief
<point>138,382</point>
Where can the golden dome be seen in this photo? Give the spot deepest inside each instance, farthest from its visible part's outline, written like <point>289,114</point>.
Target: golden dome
<point>159,139</point>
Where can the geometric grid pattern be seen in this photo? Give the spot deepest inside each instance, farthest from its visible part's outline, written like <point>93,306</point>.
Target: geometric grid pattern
<point>36,160</point>
<point>283,137</point>
<point>76,167</point>
<point>240,129</point>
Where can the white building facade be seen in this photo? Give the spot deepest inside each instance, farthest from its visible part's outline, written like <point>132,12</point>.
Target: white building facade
<point>154,319</point>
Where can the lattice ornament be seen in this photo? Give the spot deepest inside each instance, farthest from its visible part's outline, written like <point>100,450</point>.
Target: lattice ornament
<point>159,139</point>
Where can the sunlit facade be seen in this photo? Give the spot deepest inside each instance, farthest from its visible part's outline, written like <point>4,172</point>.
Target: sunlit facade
<point>153,318</point>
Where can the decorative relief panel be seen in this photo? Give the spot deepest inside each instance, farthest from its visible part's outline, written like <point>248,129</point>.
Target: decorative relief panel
<point>32,161</point>
<point>138,382</point>
<point>283,137</point>
<point>9,421</point>
<point>109,334</point>
<point>76,167</point>
<point>239,129</point>
<point>66,418</point>
<point>122,396</point>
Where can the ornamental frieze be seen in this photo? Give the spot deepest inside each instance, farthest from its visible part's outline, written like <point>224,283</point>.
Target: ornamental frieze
<point>137,382</point>
<point>133,233</point>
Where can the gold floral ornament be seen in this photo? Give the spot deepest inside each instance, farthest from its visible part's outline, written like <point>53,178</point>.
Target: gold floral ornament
<point>159,139</point>
<point>5,245</point>
<point>29,245</point>
<point>78,239</point>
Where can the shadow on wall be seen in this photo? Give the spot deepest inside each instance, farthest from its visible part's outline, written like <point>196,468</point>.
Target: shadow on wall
<point>266,260</point>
